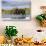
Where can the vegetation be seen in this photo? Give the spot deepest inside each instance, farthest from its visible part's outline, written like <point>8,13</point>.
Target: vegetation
<point>17,11</point>
<point>11,31</point>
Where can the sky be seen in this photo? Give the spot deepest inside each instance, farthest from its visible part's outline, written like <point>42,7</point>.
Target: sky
<point>11,4</point>
<point>15,0</point>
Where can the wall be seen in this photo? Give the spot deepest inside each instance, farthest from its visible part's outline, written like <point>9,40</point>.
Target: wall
<point>27,28</point>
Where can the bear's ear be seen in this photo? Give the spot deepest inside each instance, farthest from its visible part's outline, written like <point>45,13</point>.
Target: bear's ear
<point>42,7</point>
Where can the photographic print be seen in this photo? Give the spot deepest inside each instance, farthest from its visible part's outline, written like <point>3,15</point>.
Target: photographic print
<point>16,10</point>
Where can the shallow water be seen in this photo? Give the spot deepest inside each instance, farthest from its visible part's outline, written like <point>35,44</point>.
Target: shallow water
<point>15,17</point>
